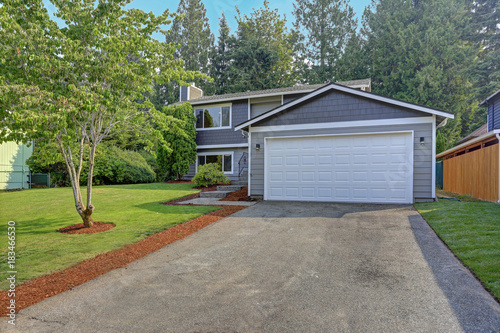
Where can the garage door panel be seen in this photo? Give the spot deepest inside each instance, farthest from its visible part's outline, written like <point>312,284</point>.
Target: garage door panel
<point>357,168</point>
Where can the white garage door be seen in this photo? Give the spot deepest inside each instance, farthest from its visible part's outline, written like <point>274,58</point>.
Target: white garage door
<point>373,168</point>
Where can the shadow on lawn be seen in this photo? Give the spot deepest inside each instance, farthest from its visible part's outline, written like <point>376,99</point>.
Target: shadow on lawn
<point>172,209</point>
<point>476,310</point>
<point>41,226</point>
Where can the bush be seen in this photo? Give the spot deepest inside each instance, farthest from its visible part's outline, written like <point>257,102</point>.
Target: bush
<point>117,166</point>
<point>210,174</point>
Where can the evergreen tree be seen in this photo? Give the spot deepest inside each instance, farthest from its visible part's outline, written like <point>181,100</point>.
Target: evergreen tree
<point>418,53</point>
<point>485,32</point>
<point>220,59</point>
<point>325,27</point>
<point>261,52</point>
<point>175,163</point>
<point>191,31</point>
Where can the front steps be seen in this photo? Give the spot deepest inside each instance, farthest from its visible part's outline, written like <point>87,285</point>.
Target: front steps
<point>222,191</point>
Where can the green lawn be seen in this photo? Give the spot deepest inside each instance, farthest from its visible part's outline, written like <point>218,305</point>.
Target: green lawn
<point>471,228</point>
<point>38,213</point>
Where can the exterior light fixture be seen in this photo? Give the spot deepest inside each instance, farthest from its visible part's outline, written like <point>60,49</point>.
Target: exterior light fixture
<point>422,141</point>
<point>257,146</point>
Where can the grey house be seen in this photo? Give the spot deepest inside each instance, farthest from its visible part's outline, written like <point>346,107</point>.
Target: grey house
<point>329,142</point>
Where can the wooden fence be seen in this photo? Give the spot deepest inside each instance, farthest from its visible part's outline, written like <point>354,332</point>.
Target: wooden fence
<point>474,173</point>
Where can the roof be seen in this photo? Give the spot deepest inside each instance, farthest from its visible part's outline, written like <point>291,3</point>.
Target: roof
<point>337,87</point>
<point>468,143</point>
<point>303,88</point>
<point>480,131</point>
<point>491,97</point>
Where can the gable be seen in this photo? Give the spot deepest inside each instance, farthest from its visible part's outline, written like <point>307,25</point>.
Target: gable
<point>336,106</point>
<point>347,107</point>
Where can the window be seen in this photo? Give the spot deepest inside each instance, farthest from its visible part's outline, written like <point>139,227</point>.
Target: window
<point>213,117</point>
<point>225,161</point>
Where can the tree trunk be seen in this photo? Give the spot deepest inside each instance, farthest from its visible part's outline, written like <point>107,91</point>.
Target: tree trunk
<point>87,219</point>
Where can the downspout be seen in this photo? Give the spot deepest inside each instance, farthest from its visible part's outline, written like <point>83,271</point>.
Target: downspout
<point>443,123</point>
<point>498,137</point>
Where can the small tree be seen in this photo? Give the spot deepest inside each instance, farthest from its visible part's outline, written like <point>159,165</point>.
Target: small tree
<point>175,162</point>
<point>75,85</point>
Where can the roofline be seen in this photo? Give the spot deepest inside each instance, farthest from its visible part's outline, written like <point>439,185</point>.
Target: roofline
<point>485,102</point>
<point>468,143</point>
<point>194,102</point>
<point>347,90</point>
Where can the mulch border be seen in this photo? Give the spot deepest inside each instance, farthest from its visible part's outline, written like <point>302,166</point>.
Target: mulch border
<point>43,287</point>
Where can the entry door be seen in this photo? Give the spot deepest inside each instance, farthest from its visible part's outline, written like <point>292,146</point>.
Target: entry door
<point>371,168</point>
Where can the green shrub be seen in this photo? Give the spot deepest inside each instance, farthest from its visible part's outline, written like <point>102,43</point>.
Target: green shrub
<point>210,174</point>
<point>117,166</point>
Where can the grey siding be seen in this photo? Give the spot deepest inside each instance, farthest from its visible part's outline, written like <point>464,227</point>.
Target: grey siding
<point>422,163</point>
<point>237,153</point>
<point>338,106</point>
<point>491,120</point>
<point>260,108</point>
<point>496,113</point>
<point>239,114</point>
<point>289,98</point>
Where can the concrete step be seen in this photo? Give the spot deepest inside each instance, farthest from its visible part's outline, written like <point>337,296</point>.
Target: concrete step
<point>239,182</point>
<point>230,188</point>
<point>214,194</point>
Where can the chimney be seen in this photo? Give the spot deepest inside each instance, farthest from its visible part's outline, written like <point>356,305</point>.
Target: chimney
<point>190,92</point>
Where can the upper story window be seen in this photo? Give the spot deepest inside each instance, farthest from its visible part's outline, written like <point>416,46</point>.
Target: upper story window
<point>213,117</point>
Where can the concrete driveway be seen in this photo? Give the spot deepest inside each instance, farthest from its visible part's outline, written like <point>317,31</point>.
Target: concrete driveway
<point>284,267</point>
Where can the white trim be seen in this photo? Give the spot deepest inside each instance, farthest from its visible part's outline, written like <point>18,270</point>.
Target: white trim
<point>433,160</point>
<point>468,143</point>
<point>349,91</point>
<point>218,153</point>
<point>229,145</point>
<point>343,124</point>
<point>410,155</point>
<point>305,91</point>
<point>188,93</point>
<point>250,163</point>
<point>214,106</point>
<point>249,108</point>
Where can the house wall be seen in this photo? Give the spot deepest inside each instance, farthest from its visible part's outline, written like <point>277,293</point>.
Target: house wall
<point>237,153</point>
<point>338,106</point>
<point>13,169</point>
<point>239,114</point>
<point>494,109</point>
<point>291,97</point>
<point>422,161</point>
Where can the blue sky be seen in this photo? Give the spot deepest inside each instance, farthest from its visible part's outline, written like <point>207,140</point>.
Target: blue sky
<point>215,8</point>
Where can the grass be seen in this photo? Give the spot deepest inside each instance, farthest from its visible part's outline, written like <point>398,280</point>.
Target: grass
<point>38,213</point>
<point>471,228</point>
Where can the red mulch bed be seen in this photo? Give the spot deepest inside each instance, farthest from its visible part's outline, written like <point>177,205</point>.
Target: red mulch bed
<point>80,228</point>
<point>38,289</point>
<point>240,195</point>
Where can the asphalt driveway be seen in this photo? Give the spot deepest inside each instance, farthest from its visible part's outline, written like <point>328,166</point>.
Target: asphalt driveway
<point>284,267</point>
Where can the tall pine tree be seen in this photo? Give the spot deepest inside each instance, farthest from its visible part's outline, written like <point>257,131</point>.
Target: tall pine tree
<point>418,53</point>
<point>325,27</point>
<point>191,31</point>
<point>220,59</point>
<point>485,32</point>
<point>261,52</point>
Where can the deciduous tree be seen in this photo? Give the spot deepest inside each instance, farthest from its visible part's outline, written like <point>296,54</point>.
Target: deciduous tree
<point>75,85</point>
